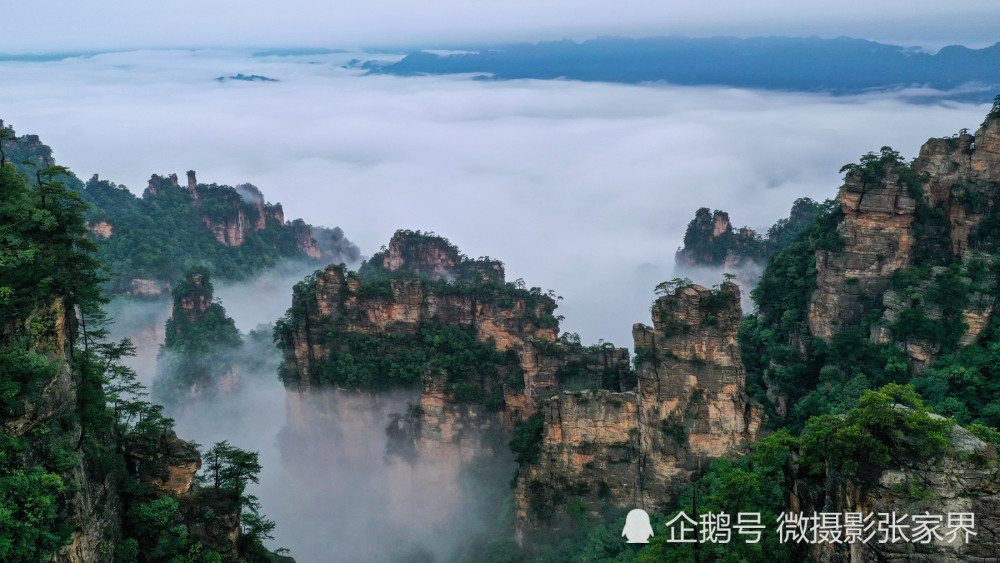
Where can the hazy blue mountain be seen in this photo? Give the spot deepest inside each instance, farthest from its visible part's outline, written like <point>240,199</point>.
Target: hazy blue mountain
<point>840,66</point>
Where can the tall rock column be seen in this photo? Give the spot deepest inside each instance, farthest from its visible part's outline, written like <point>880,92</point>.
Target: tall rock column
<point>692,402</point>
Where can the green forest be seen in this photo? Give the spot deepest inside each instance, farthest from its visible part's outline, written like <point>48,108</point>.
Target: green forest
<point>74,415</point>
<point>166,231</point>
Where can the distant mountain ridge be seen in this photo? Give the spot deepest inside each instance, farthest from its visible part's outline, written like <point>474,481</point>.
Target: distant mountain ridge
<point>841,66</point>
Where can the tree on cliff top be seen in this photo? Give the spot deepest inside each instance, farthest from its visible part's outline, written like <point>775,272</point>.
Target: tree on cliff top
<point>44,250</point>
<point>200,344</point>
<point>194,328</point>
<point>886,424</point>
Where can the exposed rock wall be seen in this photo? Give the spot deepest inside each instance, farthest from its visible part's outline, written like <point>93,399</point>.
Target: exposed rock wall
<point>166,462</point>
<point>337,301</point>
<point>589,453</point>
<point>169,465</point>
<point>878,241</point>
<point>959,182</point>
<point>963,481</point>
<point>247,213</point>
<point>101,229</point>
<point>148,288</point>
<point>692,394</point>
<point>93,507</point>
<point>975,316</point>
<point>636,448</point>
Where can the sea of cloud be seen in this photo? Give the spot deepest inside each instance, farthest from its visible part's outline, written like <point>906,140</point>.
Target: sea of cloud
<point>583,188</point>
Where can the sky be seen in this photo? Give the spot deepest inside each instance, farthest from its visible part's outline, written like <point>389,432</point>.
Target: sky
<point>52,25</point>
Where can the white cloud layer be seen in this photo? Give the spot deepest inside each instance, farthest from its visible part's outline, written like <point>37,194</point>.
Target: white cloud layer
<point>584,188</point>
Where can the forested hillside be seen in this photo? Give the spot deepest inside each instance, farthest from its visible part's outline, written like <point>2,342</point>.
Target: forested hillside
<point>147,241</point>
<point>89,469</point>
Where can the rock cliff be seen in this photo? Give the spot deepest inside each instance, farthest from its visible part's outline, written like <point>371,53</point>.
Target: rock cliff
<point>93,502</point>
<point>897,214</point>
<point>198,356</point>
<point>636,448</point>
<point>692,391</point>
<point>413,319</point>
<point>962,481</point>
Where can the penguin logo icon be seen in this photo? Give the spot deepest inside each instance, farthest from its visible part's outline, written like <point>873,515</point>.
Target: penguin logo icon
<point>637,527</point>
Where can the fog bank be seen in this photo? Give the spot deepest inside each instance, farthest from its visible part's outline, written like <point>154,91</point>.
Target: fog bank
<point>584,188</point>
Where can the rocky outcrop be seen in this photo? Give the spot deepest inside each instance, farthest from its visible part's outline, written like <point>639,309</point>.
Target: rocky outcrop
<point>157,183</point>
<point>336,299</point>
<point>100,229</point>
<point>148,288</point>
<point>429,256</point>
<point>92,507</point>
<point>710,240</point>
<point>878,240</point>
<point>711,244</point>
<point>244,212</point>
<point>199,356</point>
<point>589,455</point>
<point>195,302</point>
<point>637,448</point>
<point>962,481</point>
<point>974,316</point>
<point>930,210</point>
<point>166,462</point>
<point>963,179</point>
<point>304,239</point>
<point>232,214</point>
<point>692,395</point>
<point>208,515</point>
<point>425,256</point>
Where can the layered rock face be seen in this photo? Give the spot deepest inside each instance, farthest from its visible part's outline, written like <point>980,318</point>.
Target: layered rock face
<point>962,481</point>
<point>590,455</point>
<point>636,448</point>
<point>166,462</point>
<point>692,394</point>
<point>963,179</point>
<point>885,226</point>
<point>402,309</point>
<point>247,212</point>
<point>878,241</point>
